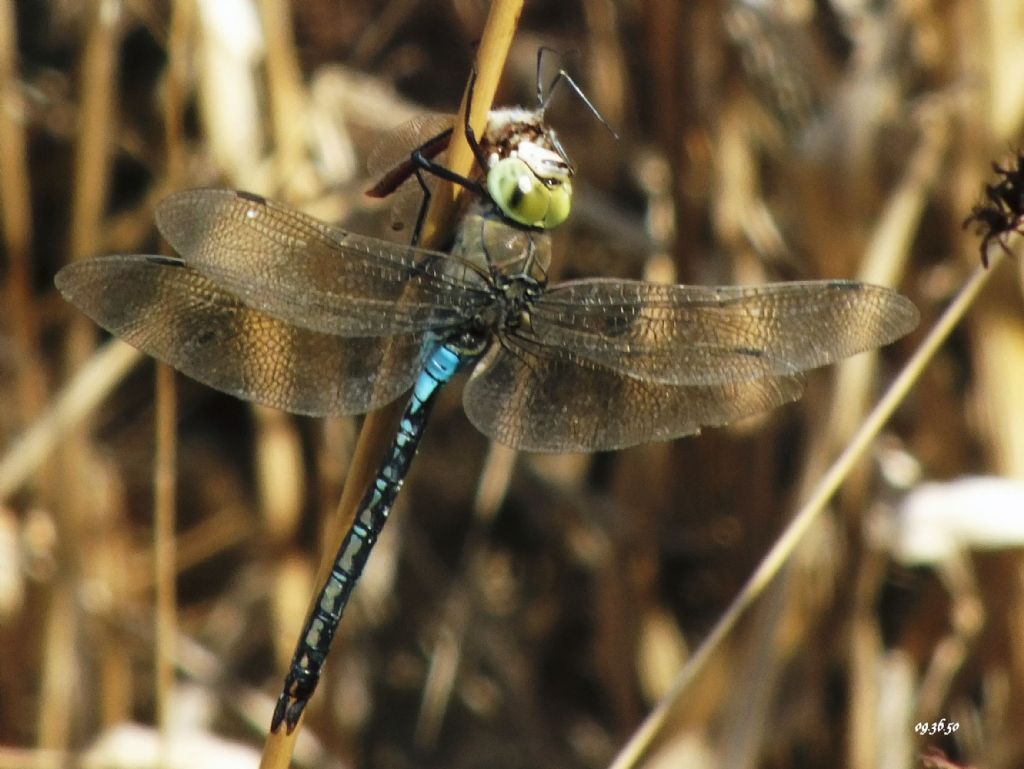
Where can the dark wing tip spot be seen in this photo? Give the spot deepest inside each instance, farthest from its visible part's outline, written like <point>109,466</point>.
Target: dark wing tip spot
<point>251,196</point>
<point>750,352</point>
<point>166,261</point>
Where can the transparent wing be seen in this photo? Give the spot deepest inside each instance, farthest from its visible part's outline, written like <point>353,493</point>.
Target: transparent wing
<point>181,317</point>
<point>541,399</point>
<point>713,335</point>
<point>289,265</point>
<point>390,161</point>
<point>390,164</point>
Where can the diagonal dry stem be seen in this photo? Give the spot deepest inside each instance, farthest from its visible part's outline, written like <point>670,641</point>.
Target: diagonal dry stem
<point>377,428</point>
<point>644,737</point>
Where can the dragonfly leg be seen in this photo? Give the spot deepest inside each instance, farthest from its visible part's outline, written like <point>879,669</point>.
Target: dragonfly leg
<point>421,215</point>
<point>422,163</point>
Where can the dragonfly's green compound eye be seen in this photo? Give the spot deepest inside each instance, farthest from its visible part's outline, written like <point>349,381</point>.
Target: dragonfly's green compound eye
<point>524,197</point>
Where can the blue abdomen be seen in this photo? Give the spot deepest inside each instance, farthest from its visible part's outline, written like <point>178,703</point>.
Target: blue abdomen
<point>439,367</point>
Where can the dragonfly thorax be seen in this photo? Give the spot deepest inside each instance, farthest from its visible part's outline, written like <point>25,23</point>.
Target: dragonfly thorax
<point>511,261</point>
<point>510,309</point>
<point>497,248</point>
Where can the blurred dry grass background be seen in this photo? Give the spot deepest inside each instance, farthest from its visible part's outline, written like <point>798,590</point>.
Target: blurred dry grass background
<point>520,611</point>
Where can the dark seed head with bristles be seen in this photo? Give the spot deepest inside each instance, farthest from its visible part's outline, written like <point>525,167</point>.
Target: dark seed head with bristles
<point>1002,211</point>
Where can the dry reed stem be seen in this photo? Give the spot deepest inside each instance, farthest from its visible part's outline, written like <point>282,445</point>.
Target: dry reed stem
<point>165,471</point>
<point>448,645</point>
<point>287,98</point>
<point>281,475</point>
<point>885,263</point>
<point>808,514</point>
<point>377,428</point>
<point>16,229</point>
<point>16,220</point>
<point>490,62</point>
<point>78,399</point>
<point>1004,47</point>
<point>96,118</point>
<point>165,549</point>
<point>74,512</point>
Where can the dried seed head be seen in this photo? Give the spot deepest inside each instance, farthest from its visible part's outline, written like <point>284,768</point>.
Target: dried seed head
<point>1002,211</point>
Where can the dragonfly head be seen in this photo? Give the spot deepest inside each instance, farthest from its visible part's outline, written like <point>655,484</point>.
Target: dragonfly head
<point>532,186</point>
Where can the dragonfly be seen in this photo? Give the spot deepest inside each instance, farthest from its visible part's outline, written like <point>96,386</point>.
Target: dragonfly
<point>271,305</point>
